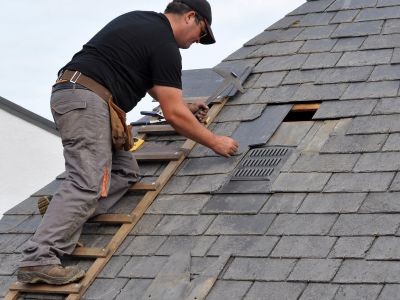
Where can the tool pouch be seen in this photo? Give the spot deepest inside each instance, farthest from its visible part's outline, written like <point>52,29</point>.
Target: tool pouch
<point>120,132</point>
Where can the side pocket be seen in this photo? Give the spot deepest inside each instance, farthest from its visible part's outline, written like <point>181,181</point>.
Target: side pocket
<point>63,107</point>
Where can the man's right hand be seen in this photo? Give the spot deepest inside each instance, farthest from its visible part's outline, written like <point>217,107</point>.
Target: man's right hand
<point>224,146</point>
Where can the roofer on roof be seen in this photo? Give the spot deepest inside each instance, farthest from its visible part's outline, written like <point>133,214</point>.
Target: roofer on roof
<point>135,53</point>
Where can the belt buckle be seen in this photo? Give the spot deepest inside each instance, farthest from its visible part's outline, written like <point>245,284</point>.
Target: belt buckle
<point>77,74</point>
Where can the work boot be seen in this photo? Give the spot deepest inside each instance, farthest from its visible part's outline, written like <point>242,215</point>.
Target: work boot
<point>50,274</point>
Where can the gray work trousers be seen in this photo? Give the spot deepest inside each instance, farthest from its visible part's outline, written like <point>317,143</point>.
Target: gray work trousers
<point>97,176</point>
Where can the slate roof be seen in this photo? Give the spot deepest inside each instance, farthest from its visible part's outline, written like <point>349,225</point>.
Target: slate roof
<point>327,227</point>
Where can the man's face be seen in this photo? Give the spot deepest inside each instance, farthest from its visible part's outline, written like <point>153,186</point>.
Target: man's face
<point>195,29</point>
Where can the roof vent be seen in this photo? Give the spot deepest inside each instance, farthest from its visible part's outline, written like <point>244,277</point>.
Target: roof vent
<point>261,163</point>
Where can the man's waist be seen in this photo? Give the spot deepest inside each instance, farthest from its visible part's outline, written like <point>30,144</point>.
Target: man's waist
<point>76,77</point>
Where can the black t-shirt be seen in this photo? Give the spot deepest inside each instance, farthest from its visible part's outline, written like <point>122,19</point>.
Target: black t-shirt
<point>130,55</point>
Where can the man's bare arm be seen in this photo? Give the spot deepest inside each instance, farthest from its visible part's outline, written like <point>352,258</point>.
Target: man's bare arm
<point>178,115</point>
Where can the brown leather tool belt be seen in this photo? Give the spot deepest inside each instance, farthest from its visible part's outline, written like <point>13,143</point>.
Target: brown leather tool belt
<point>87,82</point>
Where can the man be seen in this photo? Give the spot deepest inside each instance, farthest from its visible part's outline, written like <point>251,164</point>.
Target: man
<point>135,53</point>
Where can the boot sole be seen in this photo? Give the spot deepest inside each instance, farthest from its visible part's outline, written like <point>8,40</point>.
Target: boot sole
<point>35,277</point>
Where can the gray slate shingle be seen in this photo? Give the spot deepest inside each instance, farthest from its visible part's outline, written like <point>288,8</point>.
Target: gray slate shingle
<point>382,3</point>
<point>240,224</point>
<point>376,162</point>
<point>386,72</point>
<point>391,26</point>
<point>292,224</point>
<point>240,113</point>
<point>351,247</point>
<point>345,16</point>
<point>375,124</point>
<point>134,288</point>
<point>332,203</point>
<point>382,41</point>
<point>366,224</point>
<point>312,92</point>
<point>396,56</point>
<point>280,63</point>
<point>310,162</point>
<point>270,79</point>
<point>183,225</point>
<point>381,203</point>
<point>207,183</point>
<point>396,183</point>
<point>274,49</point>
<point>105,288</point>
<point>365,58</point>
<point>390,291</point>
<point>357,29</point>
<point>316,270</point>
<point>317,46</point>
<point>316,19</point>
<point>369,14</point>
<point>321,60</point>
<point>196,245</point>
<point>144,245</point>
<point>348,44</point>
<point>354,143</point>
<point>178,204</point>
<point>358,291</point>
<point>385,248</point>
<point>275,290</point>
<point>316,32</point>
<point>392,143</point>
<point>280,35</point>
<point>300,182</point>
<point>248,97</point>
<point>319,291</point>
<point>346,4</point>
<point>347,74</point>
<point>312,7</point>
<point>355,182</point>
<point>234,204</point>
<point>283,203</point>
<point>234,290</point>
<point>387,106</point>
<point>143,266</point>
<point>302,76</point>
<point>303,246</point>
<point>344,109</point>
<point>208,165</point>
<point>281,94</point>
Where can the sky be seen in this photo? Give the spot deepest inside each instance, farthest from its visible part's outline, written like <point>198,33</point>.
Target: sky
<point>39,37</point>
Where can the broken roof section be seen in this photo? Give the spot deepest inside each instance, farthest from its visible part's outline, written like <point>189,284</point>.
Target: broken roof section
<point>327,226</point>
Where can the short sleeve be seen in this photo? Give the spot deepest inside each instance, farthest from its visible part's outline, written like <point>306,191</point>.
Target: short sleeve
<point>166,66</point>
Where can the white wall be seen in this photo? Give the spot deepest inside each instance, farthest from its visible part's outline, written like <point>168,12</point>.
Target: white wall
<point>30,158</point>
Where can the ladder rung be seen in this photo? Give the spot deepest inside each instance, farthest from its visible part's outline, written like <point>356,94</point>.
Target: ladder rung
<point>90,252</point>
<point>72,288</point>
<point>144,186</point>
<point>158,156</point>
<point>157,129</point>
<point>112,219</point>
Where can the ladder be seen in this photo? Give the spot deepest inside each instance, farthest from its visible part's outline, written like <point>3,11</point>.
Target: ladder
<point>101,256</point>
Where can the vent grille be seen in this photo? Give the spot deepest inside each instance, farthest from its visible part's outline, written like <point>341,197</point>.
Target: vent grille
<point>261,163</point>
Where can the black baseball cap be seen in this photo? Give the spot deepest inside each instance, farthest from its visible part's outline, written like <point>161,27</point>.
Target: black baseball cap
<point>203,8</point>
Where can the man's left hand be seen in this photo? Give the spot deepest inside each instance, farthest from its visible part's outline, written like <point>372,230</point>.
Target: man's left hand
<point>199,109</point>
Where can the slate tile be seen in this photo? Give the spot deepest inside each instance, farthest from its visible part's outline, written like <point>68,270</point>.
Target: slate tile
<point>250,96</point>
<point>113,267</point>
<point>392,143</point>
<point>281,94</point>
<point>257,246</point>
<point>177,184</point>
<point>345,4</point>
<point>238,65</point>
<point>207,183</point>
<point>375,162</point>
<point>143,267</point>
<point>396,183</point>
<point>200,264</point>
<point>355,182</point>
<point>9,222</point>
<point>270,79</point>
<point>382,3</point>
<point>5,282</point>
<point>127,203</point>
<point>318,136</point>
<point>26,207</point>
<point>302,76</point>
<point>382,41</point>
<point>385,248</point>
<point>312,7</point>
<point>240,113</point>
<point>361,271</point>
<point>198,246</point>
<point>291,224</point>
<point>146,224</point>
<point>315,46</point>
<point>353,291</point>
<point>396,56</point>
<point>49,189</point>
<point>9,263</point>
<point>290,133</point>
<point>349,74</point>
<point>387,106</point>
<point>300,182</point>
<point>365,58</point>
<point>240,224</point>
<point>249,83</point>
<point>317,270</point>
<point>348,44</point>
<point>351,247</point>
<point>242,53</point>
<point>358,29</point>
<point>134,289</point>
<point>312,92</point>
<point>310,162</point>
<point>332,203</point>
<point>345,16</point>
<point>280,63</point>
<point>344,109</point>
<point>95,240</point>
<point>381,13</point>
<point>316,32</point>
<point>10,243</point>
<point>390,291</point>
<point>234,204</point>
<point>319,291</point>
<point>105,288</point>
<point>366,224</point>
<point>274,49</point>
<point>354,143</point>
<point>144,245</point>
<point>149,169</point>
<point>225,289</point>
<point>303,246</point>
<point>183,225</point>
<point>259,269</point>
<point>375,124</point>
<point>178,204</point>
<point>208,165</point>
<point>269,36</point>
<point>276,290</point>
<point>321,60</point>
<point>97,228</point>
<point>283,203</point>
<point>246,187</point>
<point>391,26</point>
<point>386,72</point>
<point>315,19</point>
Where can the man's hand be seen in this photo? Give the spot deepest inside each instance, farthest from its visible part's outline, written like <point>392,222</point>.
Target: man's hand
<point>224,146</point>
<point>199,109</point>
